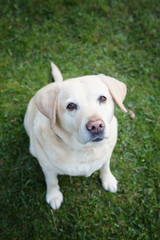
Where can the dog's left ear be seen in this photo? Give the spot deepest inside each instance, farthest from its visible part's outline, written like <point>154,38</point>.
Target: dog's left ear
<point>117,89</point>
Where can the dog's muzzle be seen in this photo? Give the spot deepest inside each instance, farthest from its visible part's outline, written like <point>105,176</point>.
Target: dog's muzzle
<point>96,130</point>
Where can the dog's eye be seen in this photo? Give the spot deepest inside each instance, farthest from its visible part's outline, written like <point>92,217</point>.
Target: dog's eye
<point>102,99</point>
<point>72,106</point>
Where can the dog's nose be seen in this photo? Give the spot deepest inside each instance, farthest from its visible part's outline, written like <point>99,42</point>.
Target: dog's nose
<point>95,126</point>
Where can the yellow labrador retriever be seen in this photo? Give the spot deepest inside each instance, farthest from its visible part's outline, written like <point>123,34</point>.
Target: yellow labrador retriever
<point>73,130</point>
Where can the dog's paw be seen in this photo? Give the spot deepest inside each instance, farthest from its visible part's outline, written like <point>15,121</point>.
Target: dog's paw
<point>54,199</point>
<point>109,183</point>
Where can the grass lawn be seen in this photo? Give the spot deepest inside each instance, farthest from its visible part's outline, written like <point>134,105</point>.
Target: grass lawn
<point>117,38</point>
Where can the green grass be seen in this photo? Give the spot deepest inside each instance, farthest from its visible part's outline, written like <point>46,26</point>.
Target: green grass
<point>117,38</point>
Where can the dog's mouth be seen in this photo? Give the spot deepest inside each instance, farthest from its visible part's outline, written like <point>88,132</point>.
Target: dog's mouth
<point>97,139</point>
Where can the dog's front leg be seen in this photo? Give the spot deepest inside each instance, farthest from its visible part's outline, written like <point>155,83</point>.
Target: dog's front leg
<point>53,196</point>
<point>109,182</point>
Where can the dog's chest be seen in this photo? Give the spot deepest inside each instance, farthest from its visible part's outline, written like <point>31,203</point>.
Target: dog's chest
<point>81,163</point>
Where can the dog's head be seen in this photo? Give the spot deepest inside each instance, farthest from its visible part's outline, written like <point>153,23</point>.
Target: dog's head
<point>82,107</point>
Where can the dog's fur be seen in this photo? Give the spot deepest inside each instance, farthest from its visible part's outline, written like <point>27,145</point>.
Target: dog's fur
<point>63,139</point>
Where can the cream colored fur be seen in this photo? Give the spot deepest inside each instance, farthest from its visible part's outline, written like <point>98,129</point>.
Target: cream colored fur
<point>59,138</point>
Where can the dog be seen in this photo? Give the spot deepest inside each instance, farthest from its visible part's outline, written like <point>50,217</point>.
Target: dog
<point>73,130</point>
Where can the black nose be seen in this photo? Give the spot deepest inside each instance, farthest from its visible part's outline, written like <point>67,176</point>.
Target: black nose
<point>95,126</point>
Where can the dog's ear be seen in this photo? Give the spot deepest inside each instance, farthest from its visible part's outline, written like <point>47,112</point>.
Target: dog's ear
<point>117,89</point>
<point>46,101</point>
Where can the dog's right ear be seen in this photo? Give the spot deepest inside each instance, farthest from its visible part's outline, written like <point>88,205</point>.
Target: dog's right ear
<point>46,101</point>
